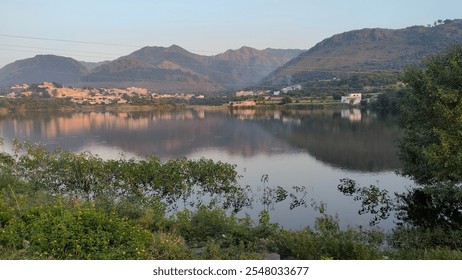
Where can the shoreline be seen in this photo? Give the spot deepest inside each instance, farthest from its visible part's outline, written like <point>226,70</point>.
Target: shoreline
<point>22,107</point>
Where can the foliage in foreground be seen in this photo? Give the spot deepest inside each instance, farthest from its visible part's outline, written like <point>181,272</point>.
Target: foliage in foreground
<point>63,205</point>
<point>327,241</point>
<point>429,221</point>
<point>59,230</point>
<point>431,110</point>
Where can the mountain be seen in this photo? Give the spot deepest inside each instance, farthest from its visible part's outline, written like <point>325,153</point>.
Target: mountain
<point>41,68</point>
<point>156,68</point>
<point>247,66</point>
<point>92,65</point>
<point>367,50</point>
<point>174,68</point>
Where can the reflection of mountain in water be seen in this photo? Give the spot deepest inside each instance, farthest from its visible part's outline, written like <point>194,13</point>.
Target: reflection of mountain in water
<point>342,139</point>
<point>166,134</point>
<point>345,140</point>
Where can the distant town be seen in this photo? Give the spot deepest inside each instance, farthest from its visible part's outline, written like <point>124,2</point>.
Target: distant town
<point>143,96</point>
<point>89,96</point>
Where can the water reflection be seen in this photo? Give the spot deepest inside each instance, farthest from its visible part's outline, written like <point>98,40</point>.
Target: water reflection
<point>312,148</point>
<point>347,139</point>
<point>353,114</point>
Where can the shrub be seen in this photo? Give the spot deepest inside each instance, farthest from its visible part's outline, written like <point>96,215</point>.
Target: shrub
<point>328,242</point>
<point>419,238</point>
<point>427,254</point>
<point>59,231</point>
<point>217,235</point>
<point>170,246</point>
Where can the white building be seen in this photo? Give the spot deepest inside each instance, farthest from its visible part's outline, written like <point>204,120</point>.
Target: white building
<point>291,88</point>
<point>352,98</point>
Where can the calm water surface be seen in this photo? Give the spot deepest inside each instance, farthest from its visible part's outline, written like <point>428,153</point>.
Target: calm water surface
<point>311,148</point>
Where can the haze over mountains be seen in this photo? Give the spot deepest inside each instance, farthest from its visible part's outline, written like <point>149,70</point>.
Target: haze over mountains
<point>176,69</point>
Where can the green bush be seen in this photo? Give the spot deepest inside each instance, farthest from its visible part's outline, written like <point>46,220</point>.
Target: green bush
<point>86,176</point>
<point>215,250</point>
<point>59,231</point>
<point>205,224</point>
<point>427,254</point>
<point>328,242</point>
<point>170,246</point>
<point>220,236</point>
<point>408,238</point>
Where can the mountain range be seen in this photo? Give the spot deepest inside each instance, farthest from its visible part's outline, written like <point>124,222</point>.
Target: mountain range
<point>175,69</point>
<point>158,68</point>
<point>368,50</point>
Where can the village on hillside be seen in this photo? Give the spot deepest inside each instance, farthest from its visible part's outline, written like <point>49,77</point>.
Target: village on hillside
<point>140,96</point>
<point>89,96</point>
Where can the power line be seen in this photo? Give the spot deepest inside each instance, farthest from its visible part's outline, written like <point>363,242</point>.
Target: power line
<point>53,49</point>
<point>207,51</point>
<point>68,41</point>
<point>35,52</point>
<point>188,63</point>
<point>84,42</point>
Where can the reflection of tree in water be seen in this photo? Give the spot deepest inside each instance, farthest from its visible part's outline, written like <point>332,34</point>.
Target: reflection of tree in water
<point>431,207</point>
<point>426,216</point>
<point>429,218</point>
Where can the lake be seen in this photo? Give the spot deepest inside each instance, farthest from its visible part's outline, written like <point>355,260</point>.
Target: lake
<point>311,148</point>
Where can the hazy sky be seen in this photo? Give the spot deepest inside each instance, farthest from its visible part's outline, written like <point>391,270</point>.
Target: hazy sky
<point>96,30</point>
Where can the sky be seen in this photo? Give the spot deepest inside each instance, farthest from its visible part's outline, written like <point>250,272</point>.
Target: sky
<point>98,30</point>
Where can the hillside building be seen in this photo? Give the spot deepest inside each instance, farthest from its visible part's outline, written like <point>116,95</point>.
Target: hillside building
<point>352,98</point>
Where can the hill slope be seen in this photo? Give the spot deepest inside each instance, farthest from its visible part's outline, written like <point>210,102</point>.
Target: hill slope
<point>42,68</point>
<point>174,68</point>
<point>367,50</point>
<point>149,71</point>
<point>247,66</point>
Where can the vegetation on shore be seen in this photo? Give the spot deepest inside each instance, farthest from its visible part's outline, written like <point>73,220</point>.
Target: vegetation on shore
<point>63,205</point>
<point>53,96</point>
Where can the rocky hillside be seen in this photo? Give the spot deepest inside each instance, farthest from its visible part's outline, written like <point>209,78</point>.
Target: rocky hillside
<point>42,68</point>
<point>246,66</point>
<point>368,50</point>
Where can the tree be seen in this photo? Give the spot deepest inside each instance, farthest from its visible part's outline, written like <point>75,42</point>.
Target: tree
<point>337,96</point>
<point>286,100</point>
<point>431,116</point>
